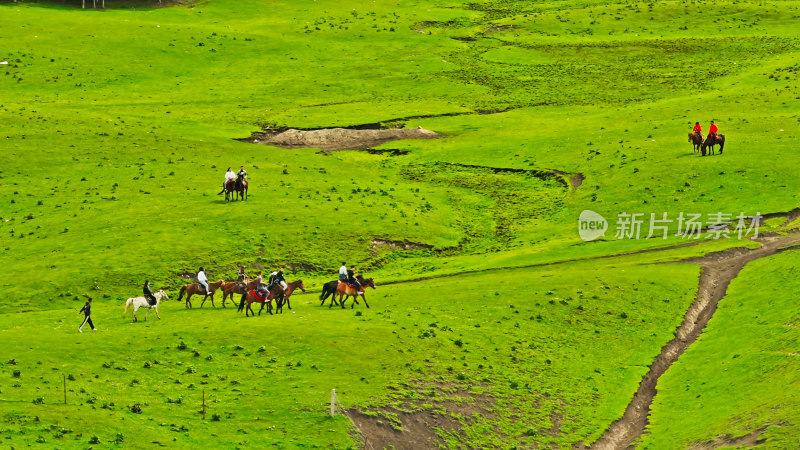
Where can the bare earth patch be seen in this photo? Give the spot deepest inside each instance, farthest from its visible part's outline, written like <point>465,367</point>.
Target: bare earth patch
<point>333,139</point>
<point>406,428</point>
<point>748,440</point>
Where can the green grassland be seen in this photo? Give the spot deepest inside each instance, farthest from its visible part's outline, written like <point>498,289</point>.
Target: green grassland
<point>720,382</point>
<point>118,126</point>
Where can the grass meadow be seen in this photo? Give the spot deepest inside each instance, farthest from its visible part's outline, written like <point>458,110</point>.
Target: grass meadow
<point>118,126</point>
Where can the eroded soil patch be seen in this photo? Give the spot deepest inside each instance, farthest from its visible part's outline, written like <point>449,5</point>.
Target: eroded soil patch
<point>333,139</point>
<point>412,428</point>
<point>748,440</point>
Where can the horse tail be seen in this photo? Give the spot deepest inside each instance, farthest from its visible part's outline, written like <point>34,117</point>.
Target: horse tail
<point>128,303</point>
<point>241,303</point>
<point>183,290</point>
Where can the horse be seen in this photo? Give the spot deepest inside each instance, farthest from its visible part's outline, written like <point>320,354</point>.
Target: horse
<point>290,287</point>
<point>328,289</point>
<point>696,141</point>
<point>230,288</point>
<point>344,290</point>
<point>141,302</point>
<point>237,186</point>
<point>276,292</point>
<point>241,188</point>
<point>710,143</point>
<point>195,288</point>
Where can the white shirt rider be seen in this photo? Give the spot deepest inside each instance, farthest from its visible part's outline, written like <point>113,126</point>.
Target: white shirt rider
<point>343,272</point>
<point>202,279</point>
<point>230,175</point>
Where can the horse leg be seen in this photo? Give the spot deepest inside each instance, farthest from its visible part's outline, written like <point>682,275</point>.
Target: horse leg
<point>365,300</point>
<point>134,313</point>
<point>159,317</point>
<point>262,308</point>
<point>146,311</point>
<point>288,305</point>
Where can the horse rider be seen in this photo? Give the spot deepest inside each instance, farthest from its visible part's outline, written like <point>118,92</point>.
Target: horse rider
<point>148,294</point>
<point>241,278</point>
<point>351,278</point>
<point>202,279</point>
<point>712,131</point>
<point>698,130</point>
<point>277,277</point>
<point>241,174</point>
<point>260,286</point>
<point>229,176</point>
<point>343,273</point>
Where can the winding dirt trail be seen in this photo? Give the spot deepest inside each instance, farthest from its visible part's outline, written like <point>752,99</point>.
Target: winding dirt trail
<point>719,269</point>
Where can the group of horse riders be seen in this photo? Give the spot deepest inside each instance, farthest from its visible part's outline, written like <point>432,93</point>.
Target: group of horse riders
<point>233,177</point>
<point>712,131</point>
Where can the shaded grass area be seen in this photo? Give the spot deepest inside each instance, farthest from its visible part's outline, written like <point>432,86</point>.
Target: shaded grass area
<point>742,374</point>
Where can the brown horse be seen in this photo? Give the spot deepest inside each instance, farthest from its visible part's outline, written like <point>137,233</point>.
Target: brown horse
<point>696,141</point>
<point>290,287</point>
<point>195,288</point>
<point>230,288</point>
<point>344,290</point>
<point>276,292</point>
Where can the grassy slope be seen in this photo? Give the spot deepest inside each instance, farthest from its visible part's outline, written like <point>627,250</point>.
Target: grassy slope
<point>743,372</point>
<point>605,90</point>
<point>564,338</point>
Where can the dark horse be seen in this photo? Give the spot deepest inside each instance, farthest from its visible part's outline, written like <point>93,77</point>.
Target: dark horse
<point>697,141</point>
<point>239,187</point>
<point>276,292</point>
<point>711,142</point>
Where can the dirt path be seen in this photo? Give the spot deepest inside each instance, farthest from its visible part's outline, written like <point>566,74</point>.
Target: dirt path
<point>719,268</point>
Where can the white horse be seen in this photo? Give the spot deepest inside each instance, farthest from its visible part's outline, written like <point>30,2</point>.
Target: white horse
<point>141,302</point>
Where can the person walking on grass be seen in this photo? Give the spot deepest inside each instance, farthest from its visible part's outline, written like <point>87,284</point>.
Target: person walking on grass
<point>87,310</point>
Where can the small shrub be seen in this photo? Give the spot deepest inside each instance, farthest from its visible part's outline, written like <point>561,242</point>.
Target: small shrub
<point>136,409</point>
<point>94,440</point>
<point>38,401</point>
<point>17,374</point>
